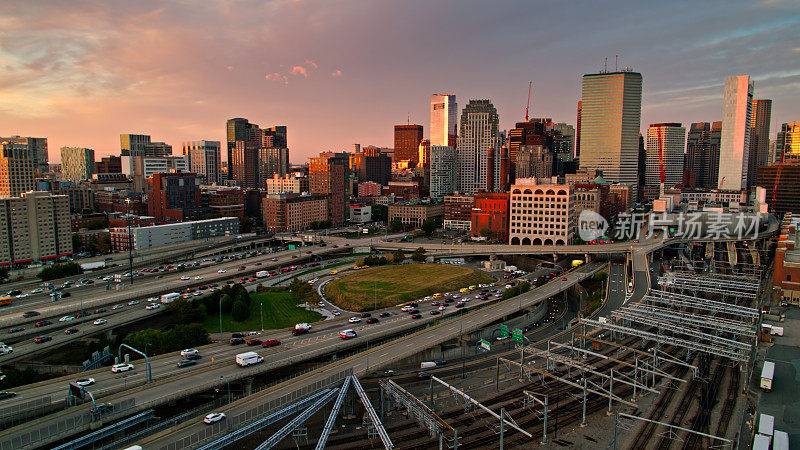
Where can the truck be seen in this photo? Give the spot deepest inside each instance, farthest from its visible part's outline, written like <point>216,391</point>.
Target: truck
<point>767,374</point>
<point>169,298</point>
<point>248,359</point>
<point>93,265</point>
<point>301,328</point>
<point>777,331</point>
<point>5,349</point>
<point>780,441</point>
<point>760,442</point>
<point>427,365</point>
<point>766,425</point>
<point>262,274</point>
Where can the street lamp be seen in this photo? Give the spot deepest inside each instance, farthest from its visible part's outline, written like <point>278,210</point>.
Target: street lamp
<point>130,240</point>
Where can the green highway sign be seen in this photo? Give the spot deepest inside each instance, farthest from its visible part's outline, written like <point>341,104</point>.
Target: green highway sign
<point>291,247</point>
<point>504,331</point>
<point>516,335</point>
<point>485,345</point>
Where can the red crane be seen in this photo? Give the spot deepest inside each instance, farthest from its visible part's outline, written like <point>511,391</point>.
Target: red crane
<point>530,85</point>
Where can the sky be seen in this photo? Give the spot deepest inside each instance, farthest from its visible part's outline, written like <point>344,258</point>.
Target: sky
<point>341,72</point>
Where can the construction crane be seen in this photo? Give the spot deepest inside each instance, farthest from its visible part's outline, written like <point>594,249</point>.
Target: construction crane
<point>530,85</point>
<point>777,180</point>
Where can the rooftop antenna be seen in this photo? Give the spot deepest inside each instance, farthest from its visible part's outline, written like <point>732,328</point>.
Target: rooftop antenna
<point>615,61</point>
<point>530,85</point>
<point>605,64</point>
<point>408,118</point>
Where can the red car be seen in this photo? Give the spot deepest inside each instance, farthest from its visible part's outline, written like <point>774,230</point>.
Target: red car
<point>254,342</point>
<point>271,343</point>
<point>42,339</point>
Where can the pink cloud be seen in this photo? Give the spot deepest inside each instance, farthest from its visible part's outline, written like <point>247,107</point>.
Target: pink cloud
<point>299,70</point>
<point>230,68</point>
<point>336,73</point>
<point>310,62</point>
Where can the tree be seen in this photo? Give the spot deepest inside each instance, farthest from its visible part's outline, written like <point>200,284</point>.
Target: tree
<point>487,233</point>
<point>429,226</point>
<point>77,244</point>
<point>396,225</point>
<point>183,311</point>
<point>240,311</point>
<point>227,303</point>
<point>380,213</point>
<point>59,271</point>
<point>418,255</point>
<point>398,256</point>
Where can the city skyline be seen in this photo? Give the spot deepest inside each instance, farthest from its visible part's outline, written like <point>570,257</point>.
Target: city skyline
<point>73,74</point>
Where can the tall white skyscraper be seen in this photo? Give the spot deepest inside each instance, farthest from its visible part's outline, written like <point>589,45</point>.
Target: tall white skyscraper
<point>444,163</point>
<point>478,148</point>
<point>665,146</point>
<point>734,146</point>
<point>444,119</point>
<point>611,108</point>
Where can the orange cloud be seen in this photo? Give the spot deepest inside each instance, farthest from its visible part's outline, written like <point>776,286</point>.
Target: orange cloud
<point>336,73</point>
<point>299,70</point>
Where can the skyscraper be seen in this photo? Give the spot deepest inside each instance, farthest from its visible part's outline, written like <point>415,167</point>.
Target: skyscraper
<point>787,145</point>
<point>16,169</point>
<point>578,132</point>
<point>444,162</point>
<point>238,129</point>
<point>141,145</point>
<point>77,163</point>
<point>665,145</point>
<point>701,165</point>
<point>735,141</point>
<point>611,106</point>
<point>272,161</point>
<point>478,132</point>
<point>205,159</point>
<point>243,168</point>
<point>444,119</point>
<point>329,174</point>
<point>759,136</point>
<point>36,146</point>
<point>406,143</point>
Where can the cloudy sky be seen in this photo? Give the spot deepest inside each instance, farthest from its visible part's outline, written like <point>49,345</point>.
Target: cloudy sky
<point>342,72</point>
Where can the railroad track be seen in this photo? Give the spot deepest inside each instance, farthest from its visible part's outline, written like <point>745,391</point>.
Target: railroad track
<point>708,398</point>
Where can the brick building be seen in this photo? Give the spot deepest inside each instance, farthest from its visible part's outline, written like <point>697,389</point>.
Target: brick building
<point>490,213</point>
<point>458,212</point>
<point>292,212</point>
<point>174,197</point>
<point>413,214</point>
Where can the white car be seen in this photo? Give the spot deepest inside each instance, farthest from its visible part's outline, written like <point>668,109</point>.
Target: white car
<point>198,277</point>
<point>336,313</point>
<point>132,303</point>
<point>100,321</point>
<point>441,308</point>
<point>85,382</point>
<point>189,352</point>
<point>66,319</point>
<point>116,307</point>
<point>23,295</point>
<point>152,306</point>
<point>355,319</point>
<point>124,367</point>
<point>221,271</point>
<point>36,291</point>
<point>154,299</point>
<point>347,334</point>
<point>214,417</point>
<point>185,278</point>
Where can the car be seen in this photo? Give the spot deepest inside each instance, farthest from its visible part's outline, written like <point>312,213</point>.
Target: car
<point>152,306</point>
<point>416,316</point>
<point>355,319</point>
<point>384,314</point>
<point>271,343</point>
<point>42,339</point>
<point>186,362</point>
<point>372,320</point>
<point>434,312</point>
<point>4,395</point>
<point>274,259</point>
<point>236,341</point>
<point>23,295</point>
<point>124,367</point>
<point>43,323</point>
<point>84,382</point>
<point>213,417</point>
<point>102,408</point>
<point>199,277</point>
<point>66,319</point>
<point>37,290</point>
<point>563,278</point>
<point>117,307</point>
<point>784,303</point>
<point>189,352</point>
<point>30,314</point>
<point>440,362</point>
<point>132,303</point>
<point>16,330</point>
<point>460,304</point>
<point>347,334</point>
<point>442,308</point>
<point>100,310</point>
<point>423,376</point>
<point>336,313</point>
<point>252,342</point>
<point>365,314</point>
<point>221,271</point>
<point>99,322</point>
<point>308,252</point>
<point>185,278</point>
<point>80,314</point>
<point>71,331</point>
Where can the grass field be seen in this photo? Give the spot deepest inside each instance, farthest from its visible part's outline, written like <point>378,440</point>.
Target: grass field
<point>398,284</point>
<point>280,311</point>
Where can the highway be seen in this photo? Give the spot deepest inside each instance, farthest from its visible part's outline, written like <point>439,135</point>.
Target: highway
<point>323,340</point>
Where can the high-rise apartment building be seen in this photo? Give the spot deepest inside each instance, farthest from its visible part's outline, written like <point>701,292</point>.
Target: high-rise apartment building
<point>16,169</point>
<point>665,146</point>
<point>37,148</point>
<point>293,212</point>
<point>611,106</point>
<point>534,161</point>
<point>444,120</point>
<point>424,154</point>
<point>328,174</point>
<point>140,168</point>
<point>759,138</point>
<point>734,147</point>
<point>238,129</point>
<point>272,161</point>
<point>578,131</point>
<point>787,146</point>
<point>205,159</point>
<point>406,143</point>
<point>288,183</point>
<point>444,163</point>
<point>34,227</point>
<point>140,145</point>
<point>174,197</point>
<point>478,134</point>
<point>701,165</point>
<point>77,163</point>
<point>541,213</point>
<point>243,168</point>
<point>109,164</point>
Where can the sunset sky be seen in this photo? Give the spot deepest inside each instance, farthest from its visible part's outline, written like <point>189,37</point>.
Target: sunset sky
<point>343,72</point>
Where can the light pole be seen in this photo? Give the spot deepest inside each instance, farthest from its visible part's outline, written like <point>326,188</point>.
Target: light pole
<point>130,240</point>
<point>228,416</point>
<point>261,307</point>
<point>220,318</point>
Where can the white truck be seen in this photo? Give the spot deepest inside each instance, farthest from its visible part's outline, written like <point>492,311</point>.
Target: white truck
<point>262,274</point>
<point>760,442</point>
<point>5,349</point>
<point>767,374</point>
<point>427,365</point>
<point>248,359</point>
<point>169,298</point>
<point>766,425</point>
<point>93,265</point>
<point>780,441</point>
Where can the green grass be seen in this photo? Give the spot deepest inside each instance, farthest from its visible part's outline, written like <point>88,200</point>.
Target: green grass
<point>399,283</point>
<point>280,311</point>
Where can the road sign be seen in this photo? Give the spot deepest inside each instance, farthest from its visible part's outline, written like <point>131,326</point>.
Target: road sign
<point>484,344</point>
<point>516,335</point>
<point>291,247</point>
<point>504,331</point>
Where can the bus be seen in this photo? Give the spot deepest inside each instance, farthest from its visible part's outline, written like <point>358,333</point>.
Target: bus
<point>5,301</point>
